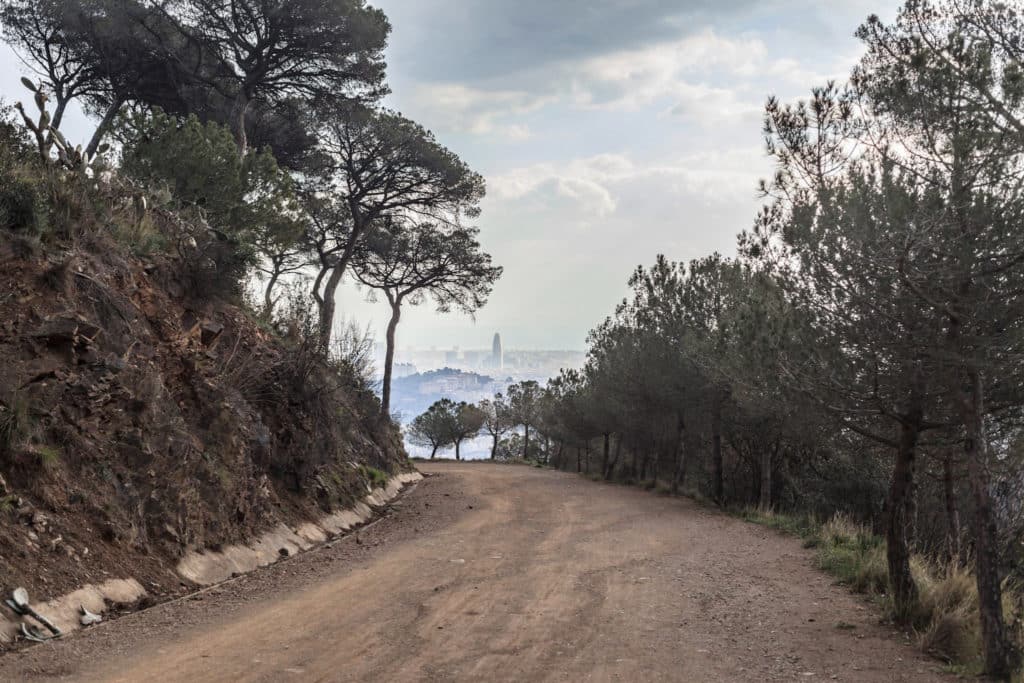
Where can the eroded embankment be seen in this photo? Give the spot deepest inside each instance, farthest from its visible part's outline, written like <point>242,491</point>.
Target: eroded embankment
<point>209,567</point>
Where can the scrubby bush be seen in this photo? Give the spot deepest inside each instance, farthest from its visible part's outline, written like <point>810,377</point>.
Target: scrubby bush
<point>197,163</point>
<point>247,201</point>
<point>23,205</point>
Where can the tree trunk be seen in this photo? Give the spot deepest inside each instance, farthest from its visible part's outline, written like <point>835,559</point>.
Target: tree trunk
<point>239,112</point>
<point>268,295</point>
<point>101,130</point>
<point>680,452</point>
<point>317,284</point>
<point>717,482</point>
<point>327,309</point>
<point>58,111</point>
<point>606,453</point>
<point>898,530</point>
<point>526,442</point>
<point>389,358</point>
<point>494,445</point>
<point>764,503</point>
<point>1001,658</point>
<point>615,459</point>
<point>328,304</point>
<point>586,465</point>
<point>458,455</point>
<point>579,461</point>
<point>952,513</point>
<point>433,453</point>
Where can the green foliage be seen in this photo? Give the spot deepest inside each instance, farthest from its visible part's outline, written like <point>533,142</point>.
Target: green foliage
<point>434,428</point>
<point>197,163</point>
<point>248,201</point>
<point>23,202</point>
<point>447,423</point>
<point>375,477</point>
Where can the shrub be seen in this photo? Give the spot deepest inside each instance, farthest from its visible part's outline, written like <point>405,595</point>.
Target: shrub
<point>376,478</point>
<point>248,202</point>
<point>197,162</point>
<point>23,205</point>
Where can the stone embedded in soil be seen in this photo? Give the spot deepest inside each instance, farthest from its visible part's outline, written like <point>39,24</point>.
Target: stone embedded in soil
<point>210,333</point>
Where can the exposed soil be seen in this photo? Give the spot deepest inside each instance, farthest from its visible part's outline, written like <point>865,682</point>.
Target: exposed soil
<point>139,420</point>
<point>488,572</point>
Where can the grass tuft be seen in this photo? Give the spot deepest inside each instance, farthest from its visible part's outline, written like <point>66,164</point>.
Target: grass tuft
<point>376,478</point>
<point>946,616</point>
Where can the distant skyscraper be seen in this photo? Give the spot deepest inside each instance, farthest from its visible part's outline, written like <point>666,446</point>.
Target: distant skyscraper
<point>497,355</point>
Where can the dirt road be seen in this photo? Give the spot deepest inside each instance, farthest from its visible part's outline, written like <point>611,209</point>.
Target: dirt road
<point>501,573</point>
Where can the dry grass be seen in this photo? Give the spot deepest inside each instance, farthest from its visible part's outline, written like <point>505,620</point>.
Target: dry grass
<point>946,617</point>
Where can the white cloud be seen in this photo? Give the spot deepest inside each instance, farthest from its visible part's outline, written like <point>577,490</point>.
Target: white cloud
<point>462,108</point>
<point>597,184</point>
<point>704,78</point>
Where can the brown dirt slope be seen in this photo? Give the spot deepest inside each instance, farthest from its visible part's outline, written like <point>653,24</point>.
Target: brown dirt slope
<point>501,573</point>
<point>140,419</point>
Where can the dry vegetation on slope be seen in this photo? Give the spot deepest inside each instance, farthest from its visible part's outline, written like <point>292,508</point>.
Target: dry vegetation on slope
<point>144,410</point>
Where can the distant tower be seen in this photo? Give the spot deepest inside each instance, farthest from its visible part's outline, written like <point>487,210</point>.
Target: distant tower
<point>497,356</point>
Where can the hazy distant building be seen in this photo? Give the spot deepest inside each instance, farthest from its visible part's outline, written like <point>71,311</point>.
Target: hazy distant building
<point>497,355</point>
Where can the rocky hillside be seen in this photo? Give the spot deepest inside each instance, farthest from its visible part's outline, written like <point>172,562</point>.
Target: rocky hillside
<point>144,412</point>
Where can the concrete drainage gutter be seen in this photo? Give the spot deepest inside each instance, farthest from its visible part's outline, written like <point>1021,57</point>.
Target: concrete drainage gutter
<point>210,567</point>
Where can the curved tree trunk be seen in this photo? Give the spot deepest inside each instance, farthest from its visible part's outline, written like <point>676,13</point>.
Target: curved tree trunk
<point>1001,658</point>
<point>317,284</point>
<point>329,305</point>
<point>268,294</point>
<point>389,357</point>
<point>101,130</point>
<point>58,111</point>
<point>433,453</point>
<point>327,309</point>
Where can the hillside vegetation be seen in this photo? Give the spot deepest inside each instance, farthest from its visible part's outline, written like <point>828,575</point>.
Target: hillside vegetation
<point>174,373</point>
<point>145,409</point>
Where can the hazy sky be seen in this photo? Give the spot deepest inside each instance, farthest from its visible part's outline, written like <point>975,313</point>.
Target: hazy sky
<point>608,131</point>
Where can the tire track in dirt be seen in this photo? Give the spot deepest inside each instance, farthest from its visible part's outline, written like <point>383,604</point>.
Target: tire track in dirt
<point>489,572</point>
